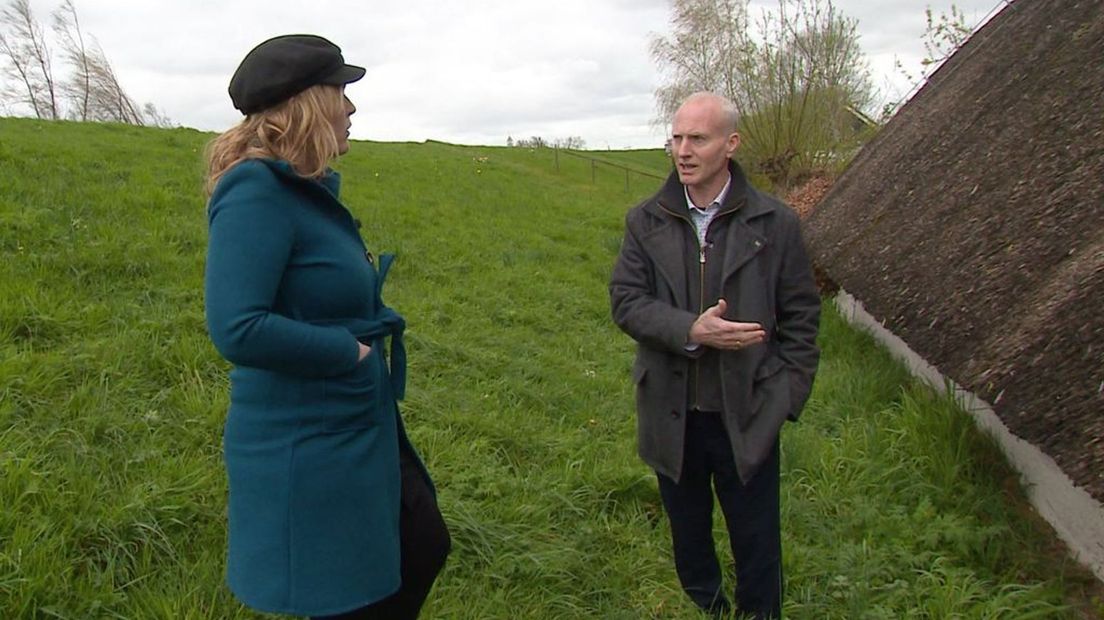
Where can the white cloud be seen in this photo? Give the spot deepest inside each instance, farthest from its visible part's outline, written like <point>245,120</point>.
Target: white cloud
<point>471,72</point>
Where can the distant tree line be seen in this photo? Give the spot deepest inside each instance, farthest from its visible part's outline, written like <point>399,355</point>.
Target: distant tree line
<point>91,92</point>
<point>537,142</point>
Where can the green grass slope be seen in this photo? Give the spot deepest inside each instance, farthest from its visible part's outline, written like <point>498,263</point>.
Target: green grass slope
<point>112,402</point>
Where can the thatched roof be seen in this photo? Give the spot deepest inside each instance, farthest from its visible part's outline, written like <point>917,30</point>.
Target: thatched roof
<point>973,226</point>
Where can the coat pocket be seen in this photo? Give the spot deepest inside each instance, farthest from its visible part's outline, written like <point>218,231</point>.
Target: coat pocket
<point>771,366</point>
<point>351,400</point>
<point>770,392</point>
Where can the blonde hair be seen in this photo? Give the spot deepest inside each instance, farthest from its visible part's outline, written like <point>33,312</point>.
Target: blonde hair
<point>298,130</point>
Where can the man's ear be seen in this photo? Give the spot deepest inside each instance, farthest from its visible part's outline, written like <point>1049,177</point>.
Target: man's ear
<point>733,144</point>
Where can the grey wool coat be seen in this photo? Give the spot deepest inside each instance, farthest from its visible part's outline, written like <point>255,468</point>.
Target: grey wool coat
<point>766,278</point>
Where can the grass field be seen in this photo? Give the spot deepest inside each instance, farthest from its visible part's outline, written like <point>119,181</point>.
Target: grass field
<point>112,402</point>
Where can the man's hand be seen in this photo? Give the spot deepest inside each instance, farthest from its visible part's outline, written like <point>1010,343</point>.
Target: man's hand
<point>713,331</point>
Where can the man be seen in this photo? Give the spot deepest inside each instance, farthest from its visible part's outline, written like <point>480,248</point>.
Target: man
<point>714,284</point>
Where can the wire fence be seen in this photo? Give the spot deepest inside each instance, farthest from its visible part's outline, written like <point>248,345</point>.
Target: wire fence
<point>596,163</point>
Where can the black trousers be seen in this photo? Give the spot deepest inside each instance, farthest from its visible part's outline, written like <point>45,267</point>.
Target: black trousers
<point>751,513</point>
<point>424,544</point>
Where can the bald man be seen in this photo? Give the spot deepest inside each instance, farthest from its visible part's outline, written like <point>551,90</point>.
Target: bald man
<point>714,284</point>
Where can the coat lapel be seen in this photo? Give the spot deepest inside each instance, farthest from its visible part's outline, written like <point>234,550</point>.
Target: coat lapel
<point>743,241</point>
<point>667,254</point>
<point>742,245</point>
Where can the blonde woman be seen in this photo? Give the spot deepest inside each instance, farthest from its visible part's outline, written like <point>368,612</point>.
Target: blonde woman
<point>331,512</point>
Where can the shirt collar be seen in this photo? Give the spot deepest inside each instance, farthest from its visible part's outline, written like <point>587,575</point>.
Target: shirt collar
<point>716,202</point>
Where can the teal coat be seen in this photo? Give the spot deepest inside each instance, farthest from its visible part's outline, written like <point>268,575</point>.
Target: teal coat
<point>312,436</point>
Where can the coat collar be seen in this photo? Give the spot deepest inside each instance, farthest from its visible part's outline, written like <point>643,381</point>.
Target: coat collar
<point>330,181</point>
<point>742,198</point>
<point>743,241</point>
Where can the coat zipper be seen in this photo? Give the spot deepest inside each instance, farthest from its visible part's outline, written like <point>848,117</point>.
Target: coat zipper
<point>701,290</point>
<point>701,309</point>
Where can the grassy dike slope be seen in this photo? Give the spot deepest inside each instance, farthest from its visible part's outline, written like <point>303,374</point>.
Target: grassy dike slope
<point>112,402</point>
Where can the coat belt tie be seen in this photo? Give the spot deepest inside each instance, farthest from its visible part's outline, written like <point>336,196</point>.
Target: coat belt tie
<point>387,323</point>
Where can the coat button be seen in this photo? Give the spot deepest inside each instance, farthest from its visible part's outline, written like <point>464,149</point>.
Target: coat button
<point>674,414</point>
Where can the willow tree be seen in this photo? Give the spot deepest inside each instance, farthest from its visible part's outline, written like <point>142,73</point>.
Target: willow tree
<point>796,72</point>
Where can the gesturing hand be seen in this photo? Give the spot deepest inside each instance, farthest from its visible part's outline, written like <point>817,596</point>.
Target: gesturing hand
<point>713,331</point>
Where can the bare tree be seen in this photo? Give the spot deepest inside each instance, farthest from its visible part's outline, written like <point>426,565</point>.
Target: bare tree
<point>797,74</point>
<point>79,86</point>
<point>23,43</point>
<point>93,89</point>
<point>155,117</point>
<point>707,48</point>
<point>107,99</point>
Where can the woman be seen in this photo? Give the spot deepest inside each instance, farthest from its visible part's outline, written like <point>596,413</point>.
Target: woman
<point>331,512</point>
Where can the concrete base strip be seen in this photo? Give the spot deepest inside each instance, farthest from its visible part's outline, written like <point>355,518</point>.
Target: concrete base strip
<point>1074,514</point>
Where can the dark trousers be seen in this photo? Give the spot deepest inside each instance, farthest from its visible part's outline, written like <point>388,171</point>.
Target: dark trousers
<point>751,513</point>
<point>423,542</point>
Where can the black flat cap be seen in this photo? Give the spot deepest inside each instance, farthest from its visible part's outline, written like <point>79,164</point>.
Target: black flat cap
<point>287,65</point>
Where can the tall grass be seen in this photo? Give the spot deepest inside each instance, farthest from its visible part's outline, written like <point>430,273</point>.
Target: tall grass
<point>112,402</point>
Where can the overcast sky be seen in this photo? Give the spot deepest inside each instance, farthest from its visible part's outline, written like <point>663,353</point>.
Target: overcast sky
<point>471,72</point>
